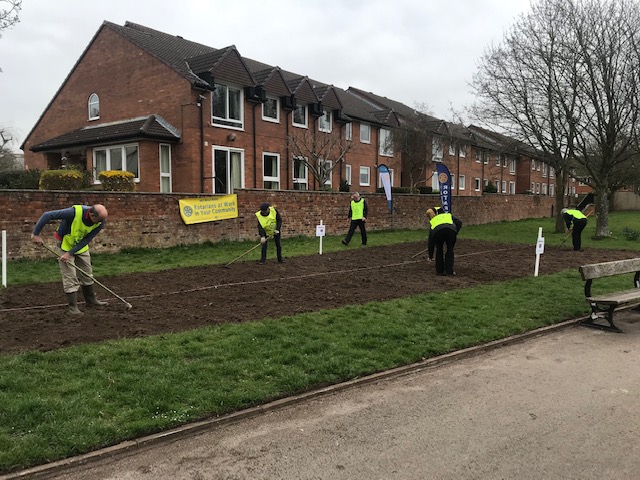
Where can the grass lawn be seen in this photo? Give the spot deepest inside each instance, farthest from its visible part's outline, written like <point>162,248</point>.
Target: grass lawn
<point>61,403</point>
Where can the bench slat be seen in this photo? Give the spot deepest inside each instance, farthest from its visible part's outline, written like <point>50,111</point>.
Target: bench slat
<point>608,269</point>
<point>617,298</point>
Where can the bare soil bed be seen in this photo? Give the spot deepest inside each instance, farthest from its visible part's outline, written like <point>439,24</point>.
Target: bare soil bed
<point>34,317</point>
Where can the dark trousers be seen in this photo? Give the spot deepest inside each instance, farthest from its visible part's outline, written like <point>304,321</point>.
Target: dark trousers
<point>263,256</point>
<point>444,261</point>
<point>576,233</point>
<point>352,229</point>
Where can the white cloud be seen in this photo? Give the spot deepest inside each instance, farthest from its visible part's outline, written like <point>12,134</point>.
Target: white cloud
<point>413,51</point>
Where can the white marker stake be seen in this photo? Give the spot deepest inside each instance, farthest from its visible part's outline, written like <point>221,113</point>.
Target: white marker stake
<point>539,250</point>
<point>320,233</point>
<point>4,258</point>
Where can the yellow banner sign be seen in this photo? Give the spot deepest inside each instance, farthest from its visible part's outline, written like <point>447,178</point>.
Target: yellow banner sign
<point>199,210</point>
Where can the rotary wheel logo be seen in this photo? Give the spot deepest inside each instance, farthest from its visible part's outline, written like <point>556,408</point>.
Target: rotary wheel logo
<point>188,211</point>
<point>443,178</point>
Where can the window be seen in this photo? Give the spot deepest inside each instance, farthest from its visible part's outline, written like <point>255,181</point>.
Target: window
<point>365,176</point>
<point>552,172</point>
<point>299,117</point>
<point>300,174</point>
<point>228,169</point>
<point>348,131</point>
<point>324,122</point>
<point>386,143</point>
<point>544,170</point>
<point>271,171</point>
<point>117,157</point>
<point>165,168</point>
<point>497,160</point>
<point>365,133</point>
<point>537,188</point>
<point>94,106</point>
<point>486,157</point>
<point>476,184</point>
<point>478,155</point>
<point>325,171</point>
<point>551,189</point>
<point>437,149</point>
<point>533,165</point>
<point>504,186</point>
<point>452,149</point>
<point>512,166</point>
<point>347,173</point>
<point>227,102</point>
<point>434,182</point>
<point>271,110</point>
<point>461,182</point>
<point>533,187</point>
<point>544,189</point>
<point>512,188</point>
<point>462,150</point>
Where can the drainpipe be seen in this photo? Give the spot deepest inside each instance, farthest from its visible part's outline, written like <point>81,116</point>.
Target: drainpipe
<point>255,147</point>
<point>287,153</point>
<point>201,99</point>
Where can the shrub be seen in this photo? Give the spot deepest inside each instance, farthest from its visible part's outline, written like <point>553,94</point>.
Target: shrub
<point>630,233</point>
<point>425,190</point>
<point>117,181</point>
<point>62,180</point>
<point>490,188</point>
<point>20,179</point>
<point>395,190</point>
<point>344,186</point>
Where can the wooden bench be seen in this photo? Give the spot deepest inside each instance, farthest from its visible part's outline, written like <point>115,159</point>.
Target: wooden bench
<point>607,303</point>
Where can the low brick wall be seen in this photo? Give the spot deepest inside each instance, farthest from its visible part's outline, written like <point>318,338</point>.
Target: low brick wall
<point>153,219</point>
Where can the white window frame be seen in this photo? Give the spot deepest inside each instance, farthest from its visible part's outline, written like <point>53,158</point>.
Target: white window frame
<point>512,188</point>
<point>165,174</point>
<point>477,184</point>
<point>325,123</point>
<point>365,138</point>
<point>123,150</point>
<point>512,166</point>
<point>462,182</point>
<point>552,189</point>
<point>366,180</point>
<point>228,180</point>
<point>533,164</point>
<point>348,131</point>
<point>504,186</point>
<point>386,142</point>
<point>452,149</point>
<point>93,106</point>
<point>329,163</point>
<point>462,150</point>
<point>305,111</point>
<point>347,173</point>
<point>301,183</point>
<point>544,189</point>
<point>268,118</point>
<point>437,149</point>
<point>271,178</point>
<point>227,121</point>
<point>544,170</point>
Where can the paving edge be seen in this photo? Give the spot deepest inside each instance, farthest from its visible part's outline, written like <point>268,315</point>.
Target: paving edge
<point>130,446</point>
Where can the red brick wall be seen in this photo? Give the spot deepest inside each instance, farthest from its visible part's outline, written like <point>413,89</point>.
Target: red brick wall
<point>153,219</point>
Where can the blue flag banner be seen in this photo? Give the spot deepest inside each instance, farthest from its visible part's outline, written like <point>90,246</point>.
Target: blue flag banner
<point>444,185</point>
<point>385,178</point>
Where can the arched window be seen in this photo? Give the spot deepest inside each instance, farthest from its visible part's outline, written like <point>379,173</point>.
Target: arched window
<point>94,107</point>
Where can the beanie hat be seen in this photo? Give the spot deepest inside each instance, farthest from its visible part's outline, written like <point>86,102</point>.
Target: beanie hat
<point>264,207</point>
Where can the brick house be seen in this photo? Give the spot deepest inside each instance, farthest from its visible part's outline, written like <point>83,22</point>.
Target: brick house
<point>186,117</point>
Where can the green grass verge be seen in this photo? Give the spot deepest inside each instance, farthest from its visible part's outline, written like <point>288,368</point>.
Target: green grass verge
<point>62,403</point>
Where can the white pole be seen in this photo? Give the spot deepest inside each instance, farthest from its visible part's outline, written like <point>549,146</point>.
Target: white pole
<point>4,258</point>
<point>320,240</point>
<point>539,244</point>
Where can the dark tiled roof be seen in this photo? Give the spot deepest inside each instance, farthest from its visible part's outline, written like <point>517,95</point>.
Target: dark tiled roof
<point>152,127</point>
<point>503,143</point>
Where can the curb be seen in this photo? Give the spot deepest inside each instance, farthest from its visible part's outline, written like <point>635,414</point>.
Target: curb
<point>165,437</point>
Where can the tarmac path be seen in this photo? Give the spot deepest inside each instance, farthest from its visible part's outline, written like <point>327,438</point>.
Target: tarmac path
<point>564,405</point>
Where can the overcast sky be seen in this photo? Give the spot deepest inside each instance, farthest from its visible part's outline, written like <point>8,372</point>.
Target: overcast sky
<point>413,51</point>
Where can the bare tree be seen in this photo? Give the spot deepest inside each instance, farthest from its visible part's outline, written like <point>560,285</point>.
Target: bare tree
<point>321,152</point>
<point>9,10</point>
<point>562,81</point>
<point>7,157</point>
<point>413,139</point>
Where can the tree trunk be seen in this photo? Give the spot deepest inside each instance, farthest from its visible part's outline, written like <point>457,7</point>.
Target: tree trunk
<point>602,213</point>
<point>562,177</point>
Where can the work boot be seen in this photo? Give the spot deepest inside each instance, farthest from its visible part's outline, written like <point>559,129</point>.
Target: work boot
<point>72,298</point>
<point>90,297</point>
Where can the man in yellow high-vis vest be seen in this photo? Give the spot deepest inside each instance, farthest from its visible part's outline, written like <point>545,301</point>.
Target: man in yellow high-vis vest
<point>444,229</point>
<point>269,224</point>
<point>358,211</point>
<point>79,225</point>
<point>579,221</point>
